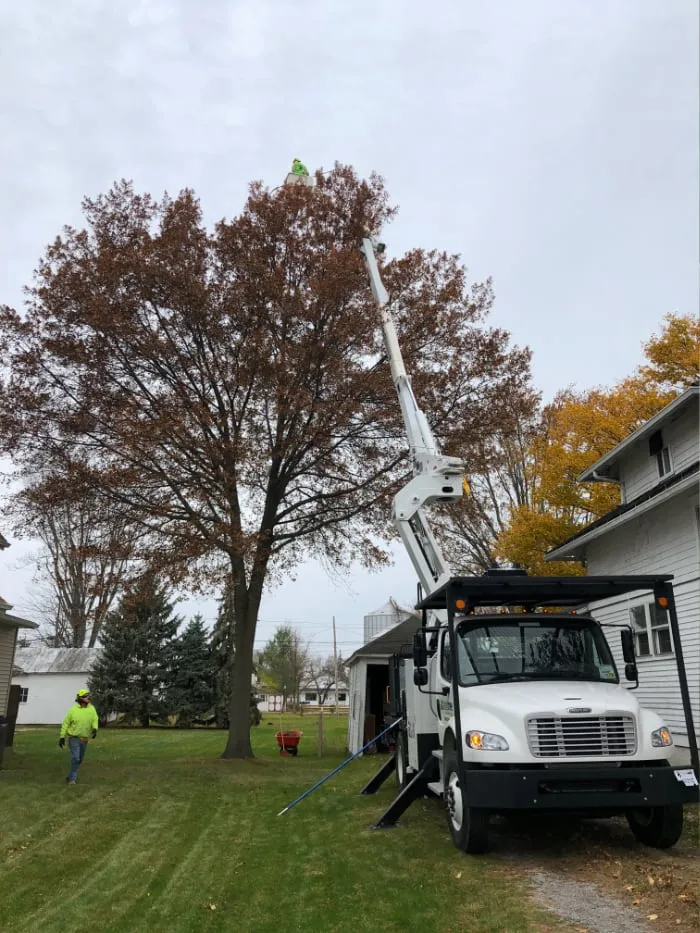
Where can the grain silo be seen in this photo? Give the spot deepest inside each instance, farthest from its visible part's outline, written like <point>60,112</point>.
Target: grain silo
<point>384,617</point>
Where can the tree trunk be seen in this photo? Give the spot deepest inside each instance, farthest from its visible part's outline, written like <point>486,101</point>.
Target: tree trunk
<point>246,602</point>
<point>238,743</point>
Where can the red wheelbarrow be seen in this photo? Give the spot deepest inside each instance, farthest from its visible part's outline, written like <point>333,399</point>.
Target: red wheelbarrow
<point>288,741</point>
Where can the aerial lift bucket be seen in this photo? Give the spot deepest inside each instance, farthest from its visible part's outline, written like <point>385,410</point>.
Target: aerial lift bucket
<point>294,179</point>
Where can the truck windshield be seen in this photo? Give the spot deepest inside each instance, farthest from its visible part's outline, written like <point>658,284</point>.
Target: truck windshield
<point>495,650</point>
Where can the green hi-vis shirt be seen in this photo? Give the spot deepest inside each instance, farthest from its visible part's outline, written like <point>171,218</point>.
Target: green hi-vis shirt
<point>80,721</point>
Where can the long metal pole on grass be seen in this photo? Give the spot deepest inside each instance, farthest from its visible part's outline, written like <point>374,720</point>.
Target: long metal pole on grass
<point>340,766</point>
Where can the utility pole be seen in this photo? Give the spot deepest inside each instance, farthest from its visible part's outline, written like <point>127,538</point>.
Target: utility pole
<point>335,665</point>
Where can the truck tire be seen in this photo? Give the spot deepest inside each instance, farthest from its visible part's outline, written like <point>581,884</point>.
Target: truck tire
<point>658,827</point>
<point>402,778</point>
<point>469,827</point>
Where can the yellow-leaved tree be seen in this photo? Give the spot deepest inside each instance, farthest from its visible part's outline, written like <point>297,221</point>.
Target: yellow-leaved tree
<point>674,356</point>
<point>578,428</point>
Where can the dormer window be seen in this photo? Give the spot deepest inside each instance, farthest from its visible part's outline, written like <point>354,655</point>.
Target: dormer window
<point>663,461</point>
<point>658,449</point>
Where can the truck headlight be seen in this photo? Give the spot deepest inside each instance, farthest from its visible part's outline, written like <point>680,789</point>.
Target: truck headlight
<point>486,741</point>
<point>661,737</point>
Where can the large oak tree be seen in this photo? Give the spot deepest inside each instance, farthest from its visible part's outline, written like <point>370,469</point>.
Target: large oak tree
<point>227,388</point>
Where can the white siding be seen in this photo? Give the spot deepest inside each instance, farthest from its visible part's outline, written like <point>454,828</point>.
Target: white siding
<point>8,636</point>
<point>50,697</point>
<point>664,540</point>
<point>639,471</point>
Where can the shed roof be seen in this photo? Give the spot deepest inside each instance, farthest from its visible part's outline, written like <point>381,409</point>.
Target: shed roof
<point>43,660</point>
<point>389,641</point>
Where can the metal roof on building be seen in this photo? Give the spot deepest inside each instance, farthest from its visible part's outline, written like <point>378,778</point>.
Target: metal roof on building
<point>43,660</point>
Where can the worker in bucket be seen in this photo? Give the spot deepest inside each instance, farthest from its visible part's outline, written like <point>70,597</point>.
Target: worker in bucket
<point>298,168</point>
<point>78,727</point>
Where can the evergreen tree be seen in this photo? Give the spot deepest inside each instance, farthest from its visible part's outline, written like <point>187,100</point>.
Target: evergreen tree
<point>191,692</point>
<point>222,658</point>
<point>133,674</point>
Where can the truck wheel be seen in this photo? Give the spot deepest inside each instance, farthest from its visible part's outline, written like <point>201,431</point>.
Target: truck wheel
<point>402,777</point>
<point>659,827</point>
<point>469,827</point>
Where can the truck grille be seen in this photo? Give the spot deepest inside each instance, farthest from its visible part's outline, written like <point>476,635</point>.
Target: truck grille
<point>594,736</point>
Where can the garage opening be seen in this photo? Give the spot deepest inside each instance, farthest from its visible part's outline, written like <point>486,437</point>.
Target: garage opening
<point>377,709</point>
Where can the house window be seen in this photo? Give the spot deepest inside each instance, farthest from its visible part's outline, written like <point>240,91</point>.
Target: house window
<point>23,694</point>
<point>652,634</point>
<point>342,697</point>
<point>310,697</point>
<point>663,462</point>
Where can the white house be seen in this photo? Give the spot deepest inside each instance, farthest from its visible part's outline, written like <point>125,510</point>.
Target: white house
<point>390,629</point>
<point>656,529</point>
<point>9,627</point>
<point>49,679</point>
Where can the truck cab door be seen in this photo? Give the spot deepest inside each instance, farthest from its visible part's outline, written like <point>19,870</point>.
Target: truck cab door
<point>444,667</point>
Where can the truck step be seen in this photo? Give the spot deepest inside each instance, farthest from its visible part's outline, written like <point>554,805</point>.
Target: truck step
<point>437,753</point>
<point>436,787</point>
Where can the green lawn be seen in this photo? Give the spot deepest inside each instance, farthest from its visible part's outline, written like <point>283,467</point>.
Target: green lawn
<point>161,835</point>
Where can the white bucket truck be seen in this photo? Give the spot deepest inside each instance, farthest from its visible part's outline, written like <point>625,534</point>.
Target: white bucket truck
<point>509,696</point>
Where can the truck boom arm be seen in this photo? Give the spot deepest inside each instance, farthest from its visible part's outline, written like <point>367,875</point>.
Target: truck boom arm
<point>436,478</point>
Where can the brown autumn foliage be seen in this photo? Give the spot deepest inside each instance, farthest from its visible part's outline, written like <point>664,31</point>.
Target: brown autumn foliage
<point>226,389</point>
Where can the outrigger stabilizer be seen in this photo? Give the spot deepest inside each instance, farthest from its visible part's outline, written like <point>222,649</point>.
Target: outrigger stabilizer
<point>391,762</point>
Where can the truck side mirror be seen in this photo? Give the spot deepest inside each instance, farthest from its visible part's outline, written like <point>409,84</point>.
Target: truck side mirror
<point>631,672</point>
<point>420,655</point>
<point>627,640</point>
<point>420,676</point>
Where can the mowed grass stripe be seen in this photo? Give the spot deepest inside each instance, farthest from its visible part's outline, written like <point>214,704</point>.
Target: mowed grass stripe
<point>100,862</point>
<point>160,831</point>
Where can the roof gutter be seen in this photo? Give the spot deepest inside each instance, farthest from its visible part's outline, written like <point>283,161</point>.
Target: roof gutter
<point>570,551</point>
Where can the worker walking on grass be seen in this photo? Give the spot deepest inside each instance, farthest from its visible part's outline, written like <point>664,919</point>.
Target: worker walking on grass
<point>78,727</point>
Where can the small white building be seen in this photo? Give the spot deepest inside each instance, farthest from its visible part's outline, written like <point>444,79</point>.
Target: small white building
<point>369,670</point>
<point>49,679</point>
<point>656,529</point>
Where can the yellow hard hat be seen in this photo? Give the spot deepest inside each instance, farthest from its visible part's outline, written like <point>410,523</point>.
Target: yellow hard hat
<point>83,693</point>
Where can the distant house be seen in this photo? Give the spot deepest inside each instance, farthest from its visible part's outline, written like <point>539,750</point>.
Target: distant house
<point>310,696</point>
<point>49,679</point>
<point>656,529</point>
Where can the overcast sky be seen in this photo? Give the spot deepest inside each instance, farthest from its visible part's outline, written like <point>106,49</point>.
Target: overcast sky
<point>553,143</point>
